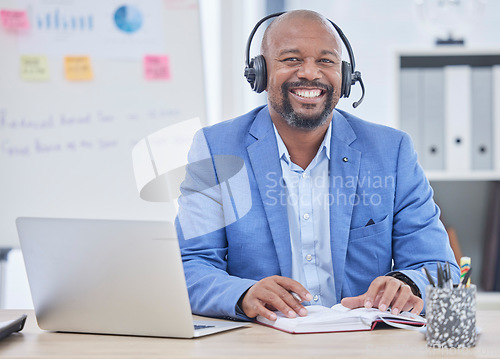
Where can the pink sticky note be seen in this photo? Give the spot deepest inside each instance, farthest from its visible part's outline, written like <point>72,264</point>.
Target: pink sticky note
<point>156,67</point>
<point>14,19</point>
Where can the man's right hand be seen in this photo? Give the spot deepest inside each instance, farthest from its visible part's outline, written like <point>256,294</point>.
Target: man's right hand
<point>275,293</point>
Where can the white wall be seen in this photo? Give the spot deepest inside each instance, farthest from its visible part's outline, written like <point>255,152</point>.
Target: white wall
<point>17,293</point>
<point>226,25</point>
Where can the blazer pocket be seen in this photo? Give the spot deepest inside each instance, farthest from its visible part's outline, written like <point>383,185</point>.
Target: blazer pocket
<point>367,231</point>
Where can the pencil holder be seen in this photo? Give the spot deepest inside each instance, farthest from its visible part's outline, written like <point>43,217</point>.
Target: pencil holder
<point>451,317</point>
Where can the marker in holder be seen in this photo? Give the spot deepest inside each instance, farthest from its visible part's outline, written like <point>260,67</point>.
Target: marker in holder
<point>451,317</point>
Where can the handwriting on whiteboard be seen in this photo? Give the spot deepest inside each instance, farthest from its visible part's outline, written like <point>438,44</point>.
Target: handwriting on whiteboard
<point>24,137</point>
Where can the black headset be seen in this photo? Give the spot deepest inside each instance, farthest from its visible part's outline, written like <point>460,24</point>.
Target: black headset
<point>256,72</point>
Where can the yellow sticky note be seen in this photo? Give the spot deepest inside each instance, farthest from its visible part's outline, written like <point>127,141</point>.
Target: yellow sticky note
<point>78,68</point>
<point>34,68</point>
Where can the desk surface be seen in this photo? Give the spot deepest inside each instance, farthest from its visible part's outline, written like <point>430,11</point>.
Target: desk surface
<point>256,341</point>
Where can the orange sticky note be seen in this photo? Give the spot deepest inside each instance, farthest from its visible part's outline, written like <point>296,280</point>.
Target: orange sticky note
<point>34,68</point>
<point>156,67</point>
<point>78,68</point>
<point>14,19</point>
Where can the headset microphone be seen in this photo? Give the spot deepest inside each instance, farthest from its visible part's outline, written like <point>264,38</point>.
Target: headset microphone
<point>256,71</point>
<point>357,77</point>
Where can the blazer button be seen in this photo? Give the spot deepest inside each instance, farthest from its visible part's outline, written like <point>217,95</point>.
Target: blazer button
<point>345,159</point>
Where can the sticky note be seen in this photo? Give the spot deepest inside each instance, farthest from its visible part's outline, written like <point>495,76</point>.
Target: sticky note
<point>34,68</point>
<point>14,20</point>
<point>156,67</point>
<point>78,68</point>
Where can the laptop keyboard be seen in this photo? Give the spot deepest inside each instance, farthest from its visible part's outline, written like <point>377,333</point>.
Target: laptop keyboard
<point>200,326</point>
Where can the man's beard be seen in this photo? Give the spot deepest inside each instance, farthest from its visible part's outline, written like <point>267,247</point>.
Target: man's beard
<point>296,120</point>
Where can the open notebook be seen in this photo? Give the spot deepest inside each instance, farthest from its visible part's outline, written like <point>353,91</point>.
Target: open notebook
<point>339,319</point>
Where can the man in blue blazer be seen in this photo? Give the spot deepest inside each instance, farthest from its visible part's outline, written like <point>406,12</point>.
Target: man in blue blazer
<point>299,203</point>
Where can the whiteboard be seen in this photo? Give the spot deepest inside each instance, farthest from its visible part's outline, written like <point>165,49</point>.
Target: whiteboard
<point>65,145</point>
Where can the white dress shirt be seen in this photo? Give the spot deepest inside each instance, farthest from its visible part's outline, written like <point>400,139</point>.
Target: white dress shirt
<point>307,196</point>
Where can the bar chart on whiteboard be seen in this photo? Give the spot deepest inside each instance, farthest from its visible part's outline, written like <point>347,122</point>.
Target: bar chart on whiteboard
<point>105,28</point>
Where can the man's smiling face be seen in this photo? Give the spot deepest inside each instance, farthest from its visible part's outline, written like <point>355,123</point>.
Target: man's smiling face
<point>303,58</point>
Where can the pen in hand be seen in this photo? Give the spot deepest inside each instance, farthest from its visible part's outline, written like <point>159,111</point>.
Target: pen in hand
<point>303,311</point>
<point>296,296</point>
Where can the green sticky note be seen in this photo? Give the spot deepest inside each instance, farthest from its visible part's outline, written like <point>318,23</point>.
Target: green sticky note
<point>34,68</point>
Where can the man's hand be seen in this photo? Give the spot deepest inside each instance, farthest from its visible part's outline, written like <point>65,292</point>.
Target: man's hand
<point>275,293</point>
<point>384,292</point>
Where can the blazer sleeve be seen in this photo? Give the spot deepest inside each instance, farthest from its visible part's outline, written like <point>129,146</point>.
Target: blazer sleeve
<point>419,237</point>
<point>200,226</point>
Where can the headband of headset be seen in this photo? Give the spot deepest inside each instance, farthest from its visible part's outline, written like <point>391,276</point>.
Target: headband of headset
<point>256,71</point>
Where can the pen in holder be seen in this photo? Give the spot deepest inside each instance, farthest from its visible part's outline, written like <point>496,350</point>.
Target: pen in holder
<point>451,317</point>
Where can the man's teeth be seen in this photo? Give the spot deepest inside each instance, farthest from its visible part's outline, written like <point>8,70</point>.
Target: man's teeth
<point>308,93</point>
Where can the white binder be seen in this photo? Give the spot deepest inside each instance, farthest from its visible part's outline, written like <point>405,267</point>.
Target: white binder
<point>457,118</point>
<point>496,115</point>
<point>433,111</point>
<point>410,109</point>
<point>481,118</point>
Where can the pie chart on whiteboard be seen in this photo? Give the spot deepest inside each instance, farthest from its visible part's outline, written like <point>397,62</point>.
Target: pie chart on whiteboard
<point>128,18</point>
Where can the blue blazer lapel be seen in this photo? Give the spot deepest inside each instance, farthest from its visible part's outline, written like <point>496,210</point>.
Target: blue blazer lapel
<point>344,171</point>
<point>263,154</point>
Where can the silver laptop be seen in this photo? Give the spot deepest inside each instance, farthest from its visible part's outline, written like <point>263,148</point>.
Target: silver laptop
<point>109,277</point>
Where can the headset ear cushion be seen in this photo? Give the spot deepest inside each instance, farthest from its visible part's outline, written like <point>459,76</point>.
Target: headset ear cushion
<point>259,65</point>
<point>346,79</point>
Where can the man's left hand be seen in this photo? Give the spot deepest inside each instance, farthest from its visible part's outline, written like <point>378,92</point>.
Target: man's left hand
<point>385,292</point>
